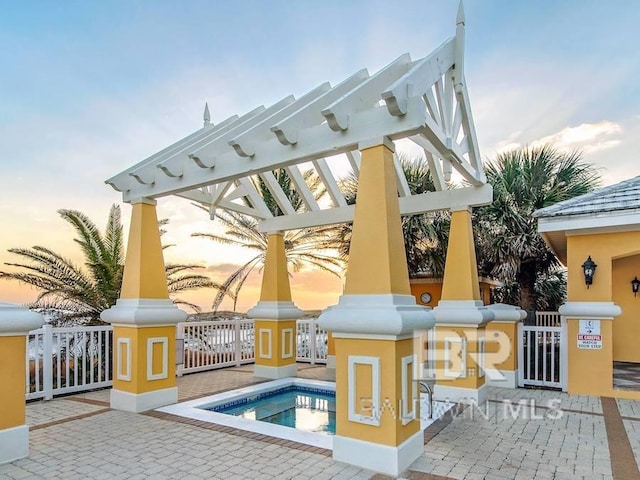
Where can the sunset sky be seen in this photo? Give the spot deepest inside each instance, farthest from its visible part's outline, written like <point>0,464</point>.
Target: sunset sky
<point>89,88</point>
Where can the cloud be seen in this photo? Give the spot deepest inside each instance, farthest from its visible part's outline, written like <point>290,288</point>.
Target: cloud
<point>223,268</point>
<point>588,137</point>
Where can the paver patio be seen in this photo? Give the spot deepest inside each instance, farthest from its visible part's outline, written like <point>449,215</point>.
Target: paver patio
<point>552,436</point>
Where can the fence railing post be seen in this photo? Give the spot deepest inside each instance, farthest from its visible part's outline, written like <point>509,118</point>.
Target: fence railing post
<point>180,336</point>
<point>312,340</point>
<point>238,343</point>
<point>564,353</point>
<point>47,361</point>
<point>520,347</point>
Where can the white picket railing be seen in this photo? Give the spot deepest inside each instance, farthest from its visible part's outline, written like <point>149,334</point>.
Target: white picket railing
<point>541,359</point>
<point>216,344</point>
<point>547,319</point>
<point>75,359</point>
<point>312,342</point>
<point>67,360</point>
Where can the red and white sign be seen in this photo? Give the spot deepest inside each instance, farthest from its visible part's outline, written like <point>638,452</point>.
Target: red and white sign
<point>590,342</point>
<point>589,337</point>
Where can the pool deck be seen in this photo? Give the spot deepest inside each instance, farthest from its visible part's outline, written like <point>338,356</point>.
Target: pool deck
<point>80,437</point>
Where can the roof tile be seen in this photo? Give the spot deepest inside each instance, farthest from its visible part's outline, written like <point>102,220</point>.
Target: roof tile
<point>621,196</point>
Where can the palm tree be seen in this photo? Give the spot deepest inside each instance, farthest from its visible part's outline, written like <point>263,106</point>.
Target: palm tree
<point>308,247</point>
<point>425,235</point>
<point>525,180</point>
<point>78,292</point>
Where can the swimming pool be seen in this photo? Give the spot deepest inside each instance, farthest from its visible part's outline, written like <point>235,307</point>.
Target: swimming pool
<point>299,407</point>
<point>204,409</point>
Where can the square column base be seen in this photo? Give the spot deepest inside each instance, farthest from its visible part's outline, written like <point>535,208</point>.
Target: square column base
<point>453,394</point>
<point>502,378</point>
<point>379,458</point>
<point>275,373</point>
<point>141,402</point>
<point>14,443</point>
<point>331,361</point>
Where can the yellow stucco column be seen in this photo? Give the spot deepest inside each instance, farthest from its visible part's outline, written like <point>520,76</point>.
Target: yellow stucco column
<point>15,324</point>
<point>144,321</point>
<point>331,351</point>
<point>501,351</point>
<point>460,319</point>
<point>589,312</point>
<point>275,316</point>
<point>377,410</point>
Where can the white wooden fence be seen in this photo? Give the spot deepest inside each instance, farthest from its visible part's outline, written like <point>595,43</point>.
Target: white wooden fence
<point>547,319</point>
<point>68,359</point>
<point>216,344</point>
<point>75,359</point>
<point>312,342</point>
<point>542,356</point>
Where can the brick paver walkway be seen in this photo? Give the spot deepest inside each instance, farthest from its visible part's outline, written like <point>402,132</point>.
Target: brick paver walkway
<point>548,435</point>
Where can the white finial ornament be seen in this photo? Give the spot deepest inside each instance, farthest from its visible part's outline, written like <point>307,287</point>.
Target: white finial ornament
<point>207,115</point>
<point>460,16</point>
<point>459,51</point>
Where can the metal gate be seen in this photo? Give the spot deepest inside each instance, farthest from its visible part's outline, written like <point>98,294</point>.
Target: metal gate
<point>542,356</point>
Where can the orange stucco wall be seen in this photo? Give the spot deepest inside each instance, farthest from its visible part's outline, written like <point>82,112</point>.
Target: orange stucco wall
<point>418,287</point>
<point>626,327</point>
<point>617,255</point>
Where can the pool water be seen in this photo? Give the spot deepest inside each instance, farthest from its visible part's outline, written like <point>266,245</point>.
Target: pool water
<point>307,409</point>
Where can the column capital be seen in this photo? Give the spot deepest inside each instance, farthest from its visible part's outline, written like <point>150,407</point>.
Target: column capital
<point>504,313</point>
<point>377,141</point>
<point>17,320</point>
<point>275,310</point>
<point>462,313</point>
<point>587,310</point>
<point>140,312</point>
<point>145,200</point>
<point>386,314</point>
<point>461,208</point>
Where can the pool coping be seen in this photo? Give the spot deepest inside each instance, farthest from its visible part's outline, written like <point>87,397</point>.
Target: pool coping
<point>195,409</point>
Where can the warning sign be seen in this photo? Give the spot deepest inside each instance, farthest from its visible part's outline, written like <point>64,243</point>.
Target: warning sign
<point>590,342</point>
<point>589,337</point>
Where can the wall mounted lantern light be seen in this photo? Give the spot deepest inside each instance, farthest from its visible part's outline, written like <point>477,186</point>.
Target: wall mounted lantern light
<point>635,284</point>
<point>589,268</point>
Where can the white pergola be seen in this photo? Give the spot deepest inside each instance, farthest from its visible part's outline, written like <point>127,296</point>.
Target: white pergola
<point>424,100</point>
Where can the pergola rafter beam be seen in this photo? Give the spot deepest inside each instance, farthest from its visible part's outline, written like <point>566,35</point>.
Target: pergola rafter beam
<point>413,205</point>
<point>420,77</point>
<point>315,142</point>
<point>310,114</point>
<point>359,98</point>
<point>256,201</point>
<point>278,194</point>
<point>302,188</point>
<point>330,182</point>
<point>403,185</point>
<point>354,161</point>
<point>185,145</point>
<point>203,154</point>
<point>244,142</point>
<point>436,171</point>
